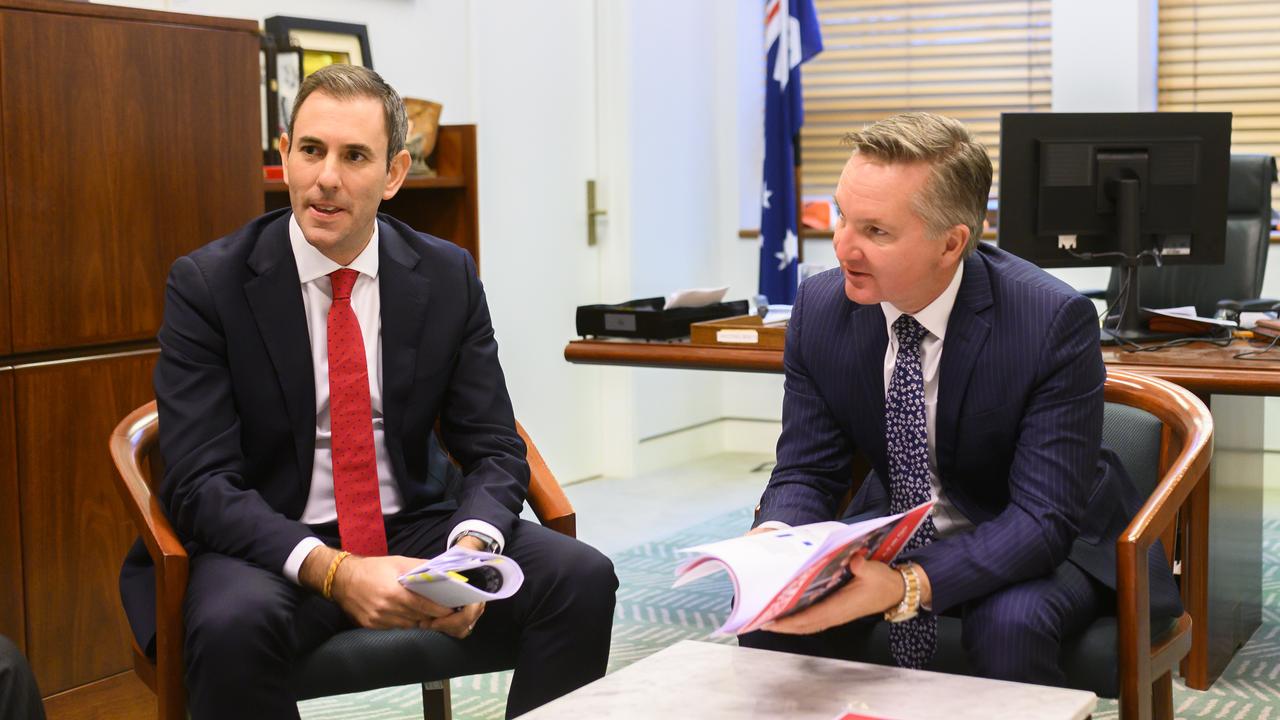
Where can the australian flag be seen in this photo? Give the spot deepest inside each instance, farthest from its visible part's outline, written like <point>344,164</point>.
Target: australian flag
<point>791,37</point>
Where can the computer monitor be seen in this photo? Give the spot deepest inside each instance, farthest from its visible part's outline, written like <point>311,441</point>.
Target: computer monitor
<point>1090,189</point>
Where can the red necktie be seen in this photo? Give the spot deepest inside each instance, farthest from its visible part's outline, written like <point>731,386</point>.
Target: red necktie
<point>355,467</point>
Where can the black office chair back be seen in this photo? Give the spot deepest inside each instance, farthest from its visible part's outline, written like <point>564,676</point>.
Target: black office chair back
<point>1248,237</point>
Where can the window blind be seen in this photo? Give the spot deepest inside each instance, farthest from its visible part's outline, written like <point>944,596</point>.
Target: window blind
<point>968,60</point>
<point>1224,55</point>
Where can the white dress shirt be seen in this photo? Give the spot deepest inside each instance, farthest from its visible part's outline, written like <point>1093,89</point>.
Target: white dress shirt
<point>366,302</point>
<point>946,518</point>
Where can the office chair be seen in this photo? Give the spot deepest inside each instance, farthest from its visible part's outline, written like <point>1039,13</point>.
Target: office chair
<point>351,661</point>
<point>1164,437</point>
<point>1248,238</point>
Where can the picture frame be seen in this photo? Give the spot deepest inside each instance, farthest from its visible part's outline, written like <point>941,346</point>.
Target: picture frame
<point>288,76</point>
<point>282,78</point>
<point>321,42</point>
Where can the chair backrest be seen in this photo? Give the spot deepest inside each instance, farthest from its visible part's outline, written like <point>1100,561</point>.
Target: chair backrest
<point>1136,437</point>
<point>1240,275</point>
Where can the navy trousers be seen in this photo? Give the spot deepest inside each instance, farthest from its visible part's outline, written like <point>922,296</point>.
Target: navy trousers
<point>1015,633</point>
<point>19,696</point>
<point>246,626</point>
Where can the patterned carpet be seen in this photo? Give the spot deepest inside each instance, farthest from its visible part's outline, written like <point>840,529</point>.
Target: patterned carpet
<point>651,616</point>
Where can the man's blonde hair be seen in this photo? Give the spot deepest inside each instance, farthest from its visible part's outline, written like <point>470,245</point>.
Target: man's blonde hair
<point>960,181</point>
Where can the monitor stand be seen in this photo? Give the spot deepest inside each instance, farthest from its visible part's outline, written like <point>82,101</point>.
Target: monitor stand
<point>1129,325</point>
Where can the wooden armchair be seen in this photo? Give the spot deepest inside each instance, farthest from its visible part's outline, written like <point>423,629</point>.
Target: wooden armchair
<point>1164,437</point>
<point>134,449</point>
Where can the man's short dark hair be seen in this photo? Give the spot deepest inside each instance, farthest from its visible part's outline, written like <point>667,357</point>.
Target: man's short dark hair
<point>960,177</point>
<point>347,82</point>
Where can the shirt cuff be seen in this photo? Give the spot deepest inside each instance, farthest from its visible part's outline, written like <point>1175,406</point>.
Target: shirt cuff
<point>773,525</point>
<point>479,526</point>
<point>293,563</point>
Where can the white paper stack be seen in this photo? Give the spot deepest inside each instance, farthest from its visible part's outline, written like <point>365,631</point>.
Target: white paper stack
<point>461,576</point>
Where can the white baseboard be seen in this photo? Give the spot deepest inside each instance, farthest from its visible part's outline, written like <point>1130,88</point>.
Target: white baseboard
<point>750,435</point>
<point>706,439</point>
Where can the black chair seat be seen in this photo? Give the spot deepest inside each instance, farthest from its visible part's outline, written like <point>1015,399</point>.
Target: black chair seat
<point>357,660</point>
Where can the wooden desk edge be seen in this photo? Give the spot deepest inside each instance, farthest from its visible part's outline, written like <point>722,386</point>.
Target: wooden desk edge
<point>668,355</point>
<point>1196,378</point>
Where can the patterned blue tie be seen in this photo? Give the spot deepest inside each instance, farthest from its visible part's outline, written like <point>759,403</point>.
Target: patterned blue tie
<point>912,642</point>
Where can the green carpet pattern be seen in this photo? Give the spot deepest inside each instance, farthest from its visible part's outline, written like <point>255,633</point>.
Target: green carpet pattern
<point>650,616</point>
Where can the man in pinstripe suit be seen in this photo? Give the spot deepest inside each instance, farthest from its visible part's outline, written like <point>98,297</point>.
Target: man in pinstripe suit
<point>965,375</point>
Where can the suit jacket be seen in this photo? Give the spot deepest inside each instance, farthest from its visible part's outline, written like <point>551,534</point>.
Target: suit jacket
<point>236,395</point>
<point>1018,431</point>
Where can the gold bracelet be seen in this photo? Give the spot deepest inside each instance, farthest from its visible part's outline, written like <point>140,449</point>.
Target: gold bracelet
<point>910,605</point>
<point>333,572</point>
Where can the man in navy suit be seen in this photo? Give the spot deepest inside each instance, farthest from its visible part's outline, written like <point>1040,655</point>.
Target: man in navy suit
<point>306,360</point>
<point>966,376</point>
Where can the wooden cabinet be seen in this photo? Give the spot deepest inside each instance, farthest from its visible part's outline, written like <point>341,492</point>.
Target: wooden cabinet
<point>128,138</point>
<point>74,529</point>
<point>125,143</point>
<point>445,205</point>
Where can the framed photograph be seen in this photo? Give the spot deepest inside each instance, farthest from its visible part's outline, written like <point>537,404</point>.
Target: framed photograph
<point>282,78</point>
<point>322,42</point>
<point>288,82</point>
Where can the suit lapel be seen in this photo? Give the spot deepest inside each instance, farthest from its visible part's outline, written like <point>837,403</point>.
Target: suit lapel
<point>967,333</point>
<point>404,294</point>
<point>275,298</point>
<point>868,339</point>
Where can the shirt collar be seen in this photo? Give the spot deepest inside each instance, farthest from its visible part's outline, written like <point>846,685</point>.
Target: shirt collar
<point>312,264</point>
<point>934,315</point>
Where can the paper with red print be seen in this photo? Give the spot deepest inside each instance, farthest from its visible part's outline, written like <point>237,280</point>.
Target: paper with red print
<point>778,573</point>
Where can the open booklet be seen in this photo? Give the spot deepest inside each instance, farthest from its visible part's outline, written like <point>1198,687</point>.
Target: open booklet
<point>778,573</point>
<point>461,576</point>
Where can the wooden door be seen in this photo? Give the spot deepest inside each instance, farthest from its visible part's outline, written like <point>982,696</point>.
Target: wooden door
<point>535,75</point>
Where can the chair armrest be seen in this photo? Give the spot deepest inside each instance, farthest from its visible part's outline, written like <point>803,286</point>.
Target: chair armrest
<point>545,495</point>
<point>1257,304</point>
<point>1189,429</point>
<point>132,446</point>
<point>1095,293</point>
<point>131,443</point>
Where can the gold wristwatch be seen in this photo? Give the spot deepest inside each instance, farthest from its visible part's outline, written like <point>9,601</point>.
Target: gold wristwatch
<point>910,605</point>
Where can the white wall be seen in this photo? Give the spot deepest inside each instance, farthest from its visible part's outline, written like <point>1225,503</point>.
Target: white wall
<point>675,183</point>
<point>1104,55</point>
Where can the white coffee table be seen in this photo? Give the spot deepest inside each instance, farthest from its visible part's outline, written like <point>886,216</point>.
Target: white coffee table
<point>709,681</point>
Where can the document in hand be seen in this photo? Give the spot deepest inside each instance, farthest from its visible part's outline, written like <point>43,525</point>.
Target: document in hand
<point>778,573</point>
<point>461,576</point>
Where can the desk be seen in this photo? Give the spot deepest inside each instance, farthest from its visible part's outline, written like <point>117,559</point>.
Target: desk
<point>717,682</point>
<point>1226,603</point>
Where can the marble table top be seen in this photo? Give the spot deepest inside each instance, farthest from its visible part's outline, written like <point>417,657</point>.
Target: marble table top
<point>710,681</point>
